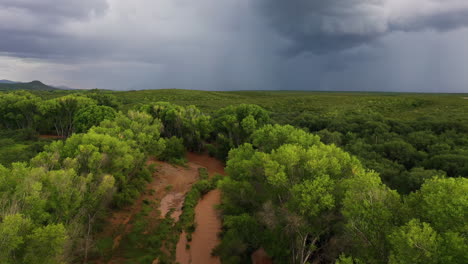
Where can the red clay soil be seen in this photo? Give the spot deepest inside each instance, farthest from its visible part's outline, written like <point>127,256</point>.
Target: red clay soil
<point>203,160</point>
<point>261,257</point>
<point>179,178</point>
<point>208,224</point>
<point>175,199</point>
<point>205,237</point>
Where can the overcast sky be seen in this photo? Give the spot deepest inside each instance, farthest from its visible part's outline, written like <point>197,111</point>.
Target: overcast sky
<point>369,45</point>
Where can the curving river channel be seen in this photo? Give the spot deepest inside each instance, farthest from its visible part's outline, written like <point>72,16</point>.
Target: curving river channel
<point>208,223</point>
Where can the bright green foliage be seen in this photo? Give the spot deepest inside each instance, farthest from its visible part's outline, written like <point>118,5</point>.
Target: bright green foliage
<point>99,152</point>
<point>294,189</point>
<point>95,155</point>
<point>362,123</point>
<point>50,158</point>
<point>313,196</point>
<point>286,191</point>
<point>443,202</point>
<point>21,186</point>
<point>138,129</point>
<point>23,110</point>
<point>18,110</point>
<point>91,116</point>
<point>46,198</point>
<point>243,162</point>
<point>235,124</point>
<point>300,163</point>
<point>45,245</point>
<point>371,211</point>
<point>61,112</point>
<point>453,248</point>
<point>65,192</point>
<point>13,231</point>
<point>21,242</point>
<point>174,150</point>
<point>414,243</point>
<point>418,242</point>
<point>188,123</point>
<point>73,181</point>
<point>104,99</point>
<point>438,212</point>
<point>71,195</point>
<point>348,260</point>
<point>271,137</point>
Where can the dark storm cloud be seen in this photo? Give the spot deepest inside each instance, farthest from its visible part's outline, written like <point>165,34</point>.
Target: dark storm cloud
<point>237,44</point>
<point>330,25</point>
<point>35,29</point>
<point>147,44</point>
<point>58,9</point>
<point>49,46</point>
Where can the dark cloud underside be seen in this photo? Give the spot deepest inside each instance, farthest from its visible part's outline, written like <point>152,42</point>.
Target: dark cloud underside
<point>327,26</point>
<point>398,45</point>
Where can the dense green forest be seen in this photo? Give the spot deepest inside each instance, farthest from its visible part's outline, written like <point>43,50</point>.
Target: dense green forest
<point>312,177</point>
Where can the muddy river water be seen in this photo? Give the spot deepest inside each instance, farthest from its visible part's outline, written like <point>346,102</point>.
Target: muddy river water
<point>208,224</point>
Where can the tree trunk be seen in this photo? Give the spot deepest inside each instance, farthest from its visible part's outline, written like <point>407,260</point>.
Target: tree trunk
<point>90,219</point>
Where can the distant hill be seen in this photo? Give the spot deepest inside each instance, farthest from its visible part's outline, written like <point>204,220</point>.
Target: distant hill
<point>34,85</point>
<point>7,81</point>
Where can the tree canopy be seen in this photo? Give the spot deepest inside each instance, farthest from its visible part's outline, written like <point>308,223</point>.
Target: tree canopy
<point>335,186</point>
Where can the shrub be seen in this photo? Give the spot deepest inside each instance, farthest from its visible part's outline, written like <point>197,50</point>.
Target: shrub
<point>174,151</point>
